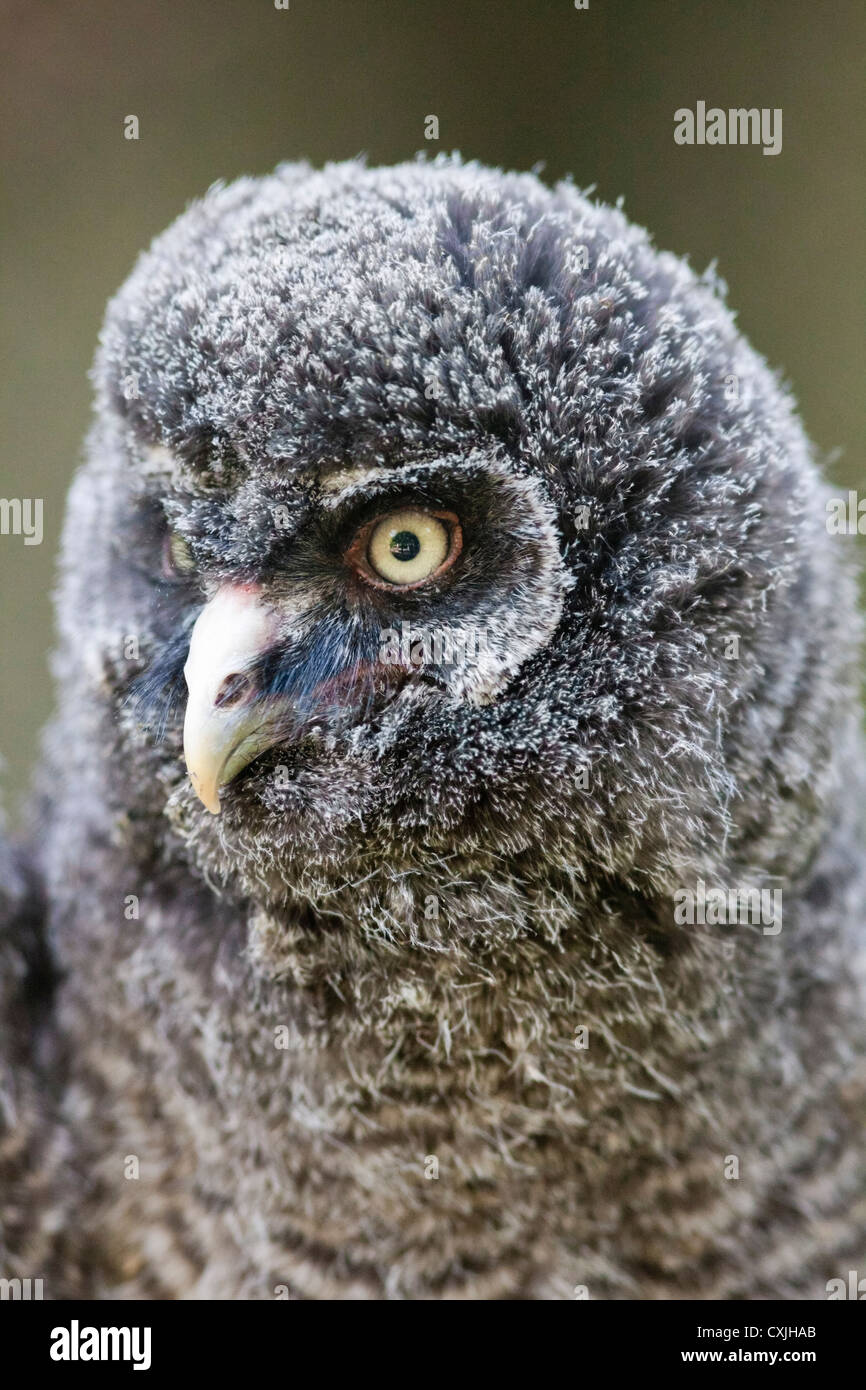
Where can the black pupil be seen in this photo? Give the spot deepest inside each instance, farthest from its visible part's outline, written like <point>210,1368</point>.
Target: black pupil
<point>405,545</point>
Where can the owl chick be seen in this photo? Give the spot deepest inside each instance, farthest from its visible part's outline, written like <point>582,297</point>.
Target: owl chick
<point>453,667</point>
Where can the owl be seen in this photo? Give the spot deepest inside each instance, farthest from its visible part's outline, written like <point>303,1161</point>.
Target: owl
<point>449,838</point>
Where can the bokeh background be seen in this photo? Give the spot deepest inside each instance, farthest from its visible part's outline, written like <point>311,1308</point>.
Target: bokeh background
<point>224,87</point>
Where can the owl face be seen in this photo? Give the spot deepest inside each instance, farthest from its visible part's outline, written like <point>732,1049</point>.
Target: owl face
<point>306,660</point>
<point>423,497</point>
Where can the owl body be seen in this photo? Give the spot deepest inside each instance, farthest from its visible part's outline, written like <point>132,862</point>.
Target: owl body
<point>410,1012</point>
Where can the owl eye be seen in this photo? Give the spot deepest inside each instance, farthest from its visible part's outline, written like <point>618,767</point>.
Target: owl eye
<point>177,558</point>
<point>407,547</point>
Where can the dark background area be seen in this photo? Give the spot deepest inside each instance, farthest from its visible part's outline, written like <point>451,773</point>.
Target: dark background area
<point>224,87</point>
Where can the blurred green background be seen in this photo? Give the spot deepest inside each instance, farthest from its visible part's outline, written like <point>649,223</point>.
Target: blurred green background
<point>223,87</point>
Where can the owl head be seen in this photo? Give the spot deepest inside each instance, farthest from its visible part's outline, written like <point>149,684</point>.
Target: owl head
<point>432,517</point>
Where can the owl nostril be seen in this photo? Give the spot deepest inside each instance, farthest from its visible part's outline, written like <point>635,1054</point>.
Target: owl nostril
<point>233,689</point>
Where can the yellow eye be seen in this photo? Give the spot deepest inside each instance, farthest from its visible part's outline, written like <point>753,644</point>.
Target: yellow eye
<point>408,546</point>
<point>177,558</point>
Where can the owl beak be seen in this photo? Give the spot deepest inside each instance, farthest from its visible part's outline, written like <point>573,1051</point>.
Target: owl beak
<point>227,723</point>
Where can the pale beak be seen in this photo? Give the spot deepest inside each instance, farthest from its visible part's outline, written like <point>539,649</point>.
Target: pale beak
<point>227,723</point>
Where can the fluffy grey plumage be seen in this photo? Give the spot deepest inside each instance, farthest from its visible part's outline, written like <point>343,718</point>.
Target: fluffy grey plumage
<point>430,880</point>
